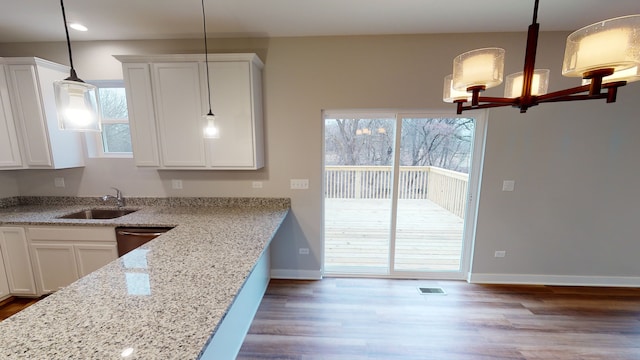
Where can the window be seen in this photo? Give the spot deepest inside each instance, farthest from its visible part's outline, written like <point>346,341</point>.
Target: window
<point>115,139</point>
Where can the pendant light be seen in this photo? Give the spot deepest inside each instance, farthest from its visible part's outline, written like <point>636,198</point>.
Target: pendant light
<point>76,101</point>
<point>606,55</point>
<point>211,131</point>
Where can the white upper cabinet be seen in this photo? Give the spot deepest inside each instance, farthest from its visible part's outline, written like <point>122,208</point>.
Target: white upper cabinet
<point>167,97</point>
<point>137,79</point>
<point>176,90</point>
<point>42,144</point>
<point>9,147</point>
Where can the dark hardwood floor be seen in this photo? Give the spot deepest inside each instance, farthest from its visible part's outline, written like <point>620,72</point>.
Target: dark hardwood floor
<point>13,305</point>
<point>339,318</point>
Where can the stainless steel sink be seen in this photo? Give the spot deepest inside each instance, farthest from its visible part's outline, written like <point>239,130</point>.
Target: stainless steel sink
<point>98,214</point>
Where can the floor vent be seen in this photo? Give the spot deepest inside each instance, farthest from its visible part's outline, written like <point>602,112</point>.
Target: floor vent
<point>431,291</point>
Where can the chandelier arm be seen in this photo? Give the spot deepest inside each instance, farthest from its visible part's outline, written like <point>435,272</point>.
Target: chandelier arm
<point>481,106</point>
<point>575,98</point>
<point>612,93</point>
<point>499,100</point>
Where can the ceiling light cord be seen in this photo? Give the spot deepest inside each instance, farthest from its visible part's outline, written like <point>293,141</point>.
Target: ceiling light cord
<point>72,76</point>
<point>206,57</point>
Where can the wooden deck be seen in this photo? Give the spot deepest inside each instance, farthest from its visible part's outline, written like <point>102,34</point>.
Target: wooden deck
<point>428,237</point>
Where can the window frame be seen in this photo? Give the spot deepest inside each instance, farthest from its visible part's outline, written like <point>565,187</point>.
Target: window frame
<point>95,144</point>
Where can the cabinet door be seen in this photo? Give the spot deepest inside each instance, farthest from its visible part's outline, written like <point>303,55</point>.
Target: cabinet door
<point>4,284</point>
<point>15,253</point>
<point>55,265</point>
<point>178,102</point>
<point>9,147</point>
<point>91,257</point>
<point>28,111</point>
<point>142,121</point>
<point>233,95</point>
<point>66,147</point>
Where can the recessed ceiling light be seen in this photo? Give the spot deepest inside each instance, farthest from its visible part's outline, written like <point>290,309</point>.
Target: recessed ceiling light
<point>77,26</point>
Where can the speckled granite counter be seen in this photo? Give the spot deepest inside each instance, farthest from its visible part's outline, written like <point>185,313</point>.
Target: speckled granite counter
<point>163,300</point>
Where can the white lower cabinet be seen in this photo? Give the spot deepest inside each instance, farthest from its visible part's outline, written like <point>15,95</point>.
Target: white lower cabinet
<point>17,262</point>
<point>62,254</point>
<point>55,266</point>
<point>91,257</point>
<point>4,284</point>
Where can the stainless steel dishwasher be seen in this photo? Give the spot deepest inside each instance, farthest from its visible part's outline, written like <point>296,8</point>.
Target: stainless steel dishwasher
<point>129,238</point>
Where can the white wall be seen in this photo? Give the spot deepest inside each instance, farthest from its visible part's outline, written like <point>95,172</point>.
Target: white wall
<point>572,213</point>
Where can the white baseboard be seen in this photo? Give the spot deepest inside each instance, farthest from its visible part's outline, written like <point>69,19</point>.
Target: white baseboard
<point>293,274</point>
<point>567,280</point>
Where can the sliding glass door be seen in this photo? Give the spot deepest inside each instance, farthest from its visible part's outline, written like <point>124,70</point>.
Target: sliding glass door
<point>396,194</point>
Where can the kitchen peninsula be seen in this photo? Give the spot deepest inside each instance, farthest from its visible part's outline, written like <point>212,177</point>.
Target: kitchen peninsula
<point>168,299</point>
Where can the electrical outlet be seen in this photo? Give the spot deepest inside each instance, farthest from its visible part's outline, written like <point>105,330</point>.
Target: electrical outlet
<point>58,182</point>
<point>303,251</point>
<point>299,184</point>
<point>176,184</point>
<point>500,253</point>
<point>256,184</point>
<point>508,185</point>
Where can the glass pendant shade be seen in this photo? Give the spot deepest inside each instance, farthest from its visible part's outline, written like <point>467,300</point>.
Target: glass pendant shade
<point>77,106</point>
<point>449,94</point>
<point>514,82</point>
<point>481,67</point>
<point>211,131</point>
<point>76,101</point>
<point>609,44</point>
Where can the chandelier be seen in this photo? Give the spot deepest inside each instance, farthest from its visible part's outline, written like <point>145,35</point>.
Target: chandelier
<point>606,55</point>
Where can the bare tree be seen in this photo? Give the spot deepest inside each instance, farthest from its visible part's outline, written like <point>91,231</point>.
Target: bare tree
<point>359,141</point>
<point>113,106</point>
<point>441,142</point>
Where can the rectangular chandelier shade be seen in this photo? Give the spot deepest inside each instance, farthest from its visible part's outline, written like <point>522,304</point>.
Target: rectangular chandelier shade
<point>610,44</point>
<point>77,106</point>
<point>514,83</point>
<point>481,67</point>
<point>628,75</point>
<point>449,94</point>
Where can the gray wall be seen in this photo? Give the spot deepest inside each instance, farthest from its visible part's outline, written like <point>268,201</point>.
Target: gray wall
<point>571,217</point>
<point>8,185</point>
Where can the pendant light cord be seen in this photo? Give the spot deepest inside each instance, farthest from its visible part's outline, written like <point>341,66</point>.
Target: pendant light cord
<point>73,75</point>
<point>206,56</point>
<point>535,12</point>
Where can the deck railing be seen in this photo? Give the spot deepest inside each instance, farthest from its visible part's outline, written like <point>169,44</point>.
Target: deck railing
<point>444,187</point>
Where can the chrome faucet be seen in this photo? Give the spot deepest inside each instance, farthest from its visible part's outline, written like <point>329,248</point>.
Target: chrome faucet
<point>119,199</point>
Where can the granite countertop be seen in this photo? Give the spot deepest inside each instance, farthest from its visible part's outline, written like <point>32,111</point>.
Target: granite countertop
<point>164,300</point>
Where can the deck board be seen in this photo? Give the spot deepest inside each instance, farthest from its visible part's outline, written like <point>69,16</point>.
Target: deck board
<point>356,235</point>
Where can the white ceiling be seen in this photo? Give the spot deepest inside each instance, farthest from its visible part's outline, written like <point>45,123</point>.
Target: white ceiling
<point>41,20</point>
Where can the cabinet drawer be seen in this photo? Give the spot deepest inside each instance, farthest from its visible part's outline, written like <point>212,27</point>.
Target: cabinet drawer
<point>72,233</point>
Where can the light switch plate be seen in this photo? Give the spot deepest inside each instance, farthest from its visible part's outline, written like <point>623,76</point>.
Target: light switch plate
<point>256,184</point>
<point>299,184</point>
<point>508,185</point>
<point>59,182</point>
<point>176,184</point>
